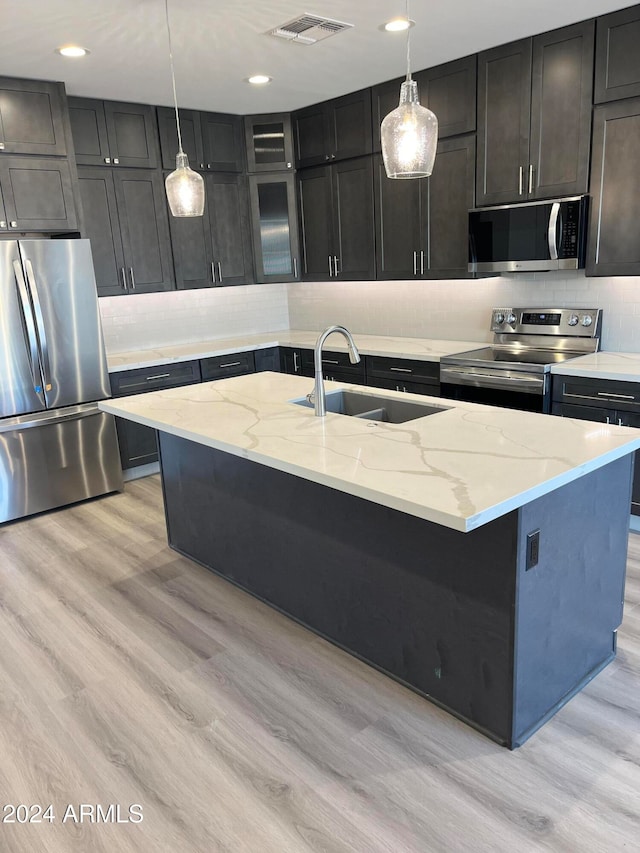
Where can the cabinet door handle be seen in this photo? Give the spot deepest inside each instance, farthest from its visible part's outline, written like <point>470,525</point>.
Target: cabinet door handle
<point>220,279</point>
<point>520,180</point>
<point>401,369</point>
<point>421,263</point>
<point>13,223</point>
<point>295,362</point>
<point>620,422</point>
<point>3,224</point>
<point>107,160</point>
<point>124,279</point>
<point>330,361</point>
<point>530,178</point>
<point>213,273</point>
<point>231,364</point>
<point>116,160</point>
<point>415,263</point>
<point>295,268</point>
<point>158,376</point>
<point>1,146</point>
<point>330,267</point>
<point>133,281</point>
<point>335,265</point>
<point>608,419</point>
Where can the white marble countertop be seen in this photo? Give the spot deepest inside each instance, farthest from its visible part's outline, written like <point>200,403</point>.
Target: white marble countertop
<point>414,348</point>
<point>624,366</point>
<point>461,467</point>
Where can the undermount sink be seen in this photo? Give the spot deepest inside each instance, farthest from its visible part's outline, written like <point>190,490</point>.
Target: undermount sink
<point>374,408</point>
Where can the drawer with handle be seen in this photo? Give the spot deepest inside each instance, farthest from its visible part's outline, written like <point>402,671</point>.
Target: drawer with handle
<point>332,362</point>
<point>402,370</point>
<point>142,379</point>
<point>601,393</point>
<point>221,366</point>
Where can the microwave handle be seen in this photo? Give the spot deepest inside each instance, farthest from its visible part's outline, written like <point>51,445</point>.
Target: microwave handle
<point>552,232</point>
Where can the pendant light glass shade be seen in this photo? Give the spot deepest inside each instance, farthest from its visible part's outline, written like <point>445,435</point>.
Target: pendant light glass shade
<point>409,136</point>
<point>185,189</point>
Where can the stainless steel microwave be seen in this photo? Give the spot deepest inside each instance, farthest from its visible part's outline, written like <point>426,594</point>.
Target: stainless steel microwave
<point>529,237</point>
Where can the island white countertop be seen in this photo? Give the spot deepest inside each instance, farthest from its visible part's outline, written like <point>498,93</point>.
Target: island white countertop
<point>413,348</point>
<point>461,467</point>
<point>622,366</point>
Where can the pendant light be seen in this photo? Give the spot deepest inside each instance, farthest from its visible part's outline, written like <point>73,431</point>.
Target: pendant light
<point>410,132</point>
<point>184,187</point>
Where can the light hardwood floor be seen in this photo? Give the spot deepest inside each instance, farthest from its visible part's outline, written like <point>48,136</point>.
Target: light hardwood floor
<point>131,675</point>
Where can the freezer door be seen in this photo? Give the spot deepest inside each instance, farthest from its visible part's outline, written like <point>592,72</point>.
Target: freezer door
<point>54,458</point>
<point>21,386</point>
<point>62,289</point>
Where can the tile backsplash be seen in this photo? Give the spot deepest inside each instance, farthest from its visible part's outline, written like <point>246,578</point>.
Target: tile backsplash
<point>425,309</point>
<point>145,320</point>
<point>461,309</point>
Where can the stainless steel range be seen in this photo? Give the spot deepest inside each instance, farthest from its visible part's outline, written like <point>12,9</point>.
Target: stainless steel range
<point>515,370</point>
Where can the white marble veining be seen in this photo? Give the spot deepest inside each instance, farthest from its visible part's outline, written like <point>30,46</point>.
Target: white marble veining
<point>461,467</point>
<point>624,366</point>
<point>398,347</point>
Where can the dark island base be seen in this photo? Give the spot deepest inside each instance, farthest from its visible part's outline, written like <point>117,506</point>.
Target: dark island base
<point>455,616</point>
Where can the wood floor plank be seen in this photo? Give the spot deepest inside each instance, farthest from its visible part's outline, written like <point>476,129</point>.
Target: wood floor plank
<point>129,674</point>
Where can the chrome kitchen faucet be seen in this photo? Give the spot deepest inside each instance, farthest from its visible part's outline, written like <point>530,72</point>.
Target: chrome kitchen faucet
<point>317,396</point>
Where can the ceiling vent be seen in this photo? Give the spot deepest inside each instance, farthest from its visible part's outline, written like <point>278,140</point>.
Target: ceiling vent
<point>308,29</point>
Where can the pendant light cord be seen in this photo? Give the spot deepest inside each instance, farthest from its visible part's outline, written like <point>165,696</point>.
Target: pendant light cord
<point>408,42</point>
<point>173,77</point>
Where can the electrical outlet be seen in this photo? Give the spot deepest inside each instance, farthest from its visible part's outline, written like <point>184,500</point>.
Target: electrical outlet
<point>533,549</point>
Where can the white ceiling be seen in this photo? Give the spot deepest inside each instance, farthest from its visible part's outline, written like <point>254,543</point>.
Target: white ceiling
<point>217,43</point>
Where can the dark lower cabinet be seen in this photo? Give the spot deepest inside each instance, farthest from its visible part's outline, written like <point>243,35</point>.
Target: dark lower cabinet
<point>125,218</point>
<point>603,401</point>
<point>335,206</point>
<point>138,442</point>
<point>37,194</point>
<point>267,359</point>
<point>336,366</point>
<point>614,237</point>
<point>291,360</point>
<point>402,374</point>
<point>223,366</point>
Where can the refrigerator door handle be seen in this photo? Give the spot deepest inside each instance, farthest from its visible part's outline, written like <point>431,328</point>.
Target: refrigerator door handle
<point>42,335</point>
<point>29,326</point>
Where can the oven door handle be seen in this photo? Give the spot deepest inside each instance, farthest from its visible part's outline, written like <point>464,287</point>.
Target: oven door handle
<point>501,379</point>
<point>552,233</point>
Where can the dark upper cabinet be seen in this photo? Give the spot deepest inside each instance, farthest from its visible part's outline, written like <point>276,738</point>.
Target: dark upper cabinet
<point>113,133</point>
<point>32,117</point>
<point>422,225</point>
<point>534,113</point>
<point>37,193</point>
<point>274,225</point>
<point>191,137</point>
<point>126,220</point>
<point>617,56</point>
<point>614,238</point>
<point>448,90</point>
<point>269,141</point>
<point>222,142</point>
<point>333,130</point>
<point>335,206</point>
<point>450,195</point>
<point>214,249</point>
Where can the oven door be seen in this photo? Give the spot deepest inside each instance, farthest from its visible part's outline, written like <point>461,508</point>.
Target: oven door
<point>510,389</point>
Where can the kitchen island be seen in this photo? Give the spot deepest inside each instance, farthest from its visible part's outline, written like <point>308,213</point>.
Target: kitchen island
<point>475,554</point>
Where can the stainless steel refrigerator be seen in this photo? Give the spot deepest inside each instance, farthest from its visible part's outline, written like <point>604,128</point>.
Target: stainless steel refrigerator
<point>56,447</point>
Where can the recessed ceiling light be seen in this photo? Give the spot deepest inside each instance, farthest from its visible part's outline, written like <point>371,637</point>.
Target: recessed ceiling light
<point>72,50</point>
<point>259,79</point>
<point>398,24</point>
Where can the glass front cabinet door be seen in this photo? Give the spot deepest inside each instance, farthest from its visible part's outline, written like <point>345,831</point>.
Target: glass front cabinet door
<point>274,227</point>
<point>269,143</point>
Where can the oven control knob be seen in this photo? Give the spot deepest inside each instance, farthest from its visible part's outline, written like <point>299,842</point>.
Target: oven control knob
<point>587,320</point>
<point>499,318</point>
<point>511,319</point>
<point>573,320</point>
